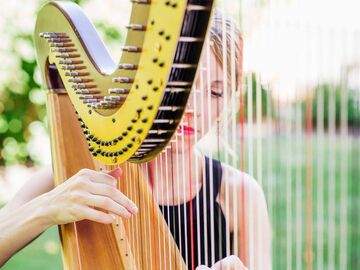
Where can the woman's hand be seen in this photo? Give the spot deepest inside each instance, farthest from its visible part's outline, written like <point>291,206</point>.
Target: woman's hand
<point>229,263</point>
<point>87,195</point>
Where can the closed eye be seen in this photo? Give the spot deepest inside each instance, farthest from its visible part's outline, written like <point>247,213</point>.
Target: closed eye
<point>217,88</point>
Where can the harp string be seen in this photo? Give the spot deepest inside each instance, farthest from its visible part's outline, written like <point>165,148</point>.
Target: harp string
<point>210,122</point>
<point>197,184</point>
<point>344,160</point>
<point>203,172</point>
<point>178,192</point>
<point>233,137</point>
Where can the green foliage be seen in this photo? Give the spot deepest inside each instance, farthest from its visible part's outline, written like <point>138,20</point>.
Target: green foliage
<point>329,98</point>
<point>266,100</point>
<point>22,102</point>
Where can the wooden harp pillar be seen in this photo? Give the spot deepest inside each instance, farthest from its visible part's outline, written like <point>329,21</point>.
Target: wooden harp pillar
<point>101,113</point>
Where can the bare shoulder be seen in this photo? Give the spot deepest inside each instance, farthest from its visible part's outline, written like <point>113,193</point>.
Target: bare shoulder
<point>237,180</point>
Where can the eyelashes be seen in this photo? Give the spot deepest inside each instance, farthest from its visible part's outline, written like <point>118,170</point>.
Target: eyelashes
<point>217,89</point>
<point>217,92</point>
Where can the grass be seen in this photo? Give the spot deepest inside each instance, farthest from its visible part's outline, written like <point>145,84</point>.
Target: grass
<point>42,254</point>
<point>282,167</point>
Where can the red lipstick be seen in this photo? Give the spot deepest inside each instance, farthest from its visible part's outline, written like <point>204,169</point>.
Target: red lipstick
<point>187,130</point>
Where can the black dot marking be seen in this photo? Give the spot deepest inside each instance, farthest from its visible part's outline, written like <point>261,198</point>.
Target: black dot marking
<point>150,81</point>
<point>150,107</point>
<point>124,133</point>
<point>111,154</point>
<point>91,149</point>
<point>133,139</point>
<point>113,120</point>
<point>167,37</point>
<point>152,22</point>
<point>136,86</point>
<point>174,5</point>
<point>161,33</point>
<point>115,140</point>
<point>94,154</point>
<point>82,125</point>
<point>161,64</point>
<point>130,145</point>
<point>98,142</point>
<point>91,137</point>
<point>144,98</point>
<point>155,88</point>
<point>94,139</point>
<point>125,149</point>
<point>155,60</point>
<point>86,132</point>
<point>139,110</point>
<point>107,144</point>
<point>167,3</point>
<point>144,120</point>
<point>134,120</point>
<point>129,128</point>
<point>120,138</point>
<point>90,111</point>
<point>102,143</point>
<point>139,131</point>
<point>102,153</point>
<point>120,152</point>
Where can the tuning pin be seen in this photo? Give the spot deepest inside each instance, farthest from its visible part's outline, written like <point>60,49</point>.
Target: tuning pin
<point>123,80</point>
<point>136,27</point>
<point>131,49</point>
<point>119,91</point>
<point>145,2</point>
<point>128,66</point>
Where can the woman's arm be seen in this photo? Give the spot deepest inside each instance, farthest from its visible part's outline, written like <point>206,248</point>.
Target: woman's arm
<point>248,218</point>
<point>40,182</point>
<point>78,198</point>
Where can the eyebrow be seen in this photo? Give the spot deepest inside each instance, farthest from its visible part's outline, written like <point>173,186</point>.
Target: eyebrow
<point>217,82</point>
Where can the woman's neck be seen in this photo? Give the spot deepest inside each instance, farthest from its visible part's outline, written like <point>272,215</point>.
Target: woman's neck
<point>176,178</point>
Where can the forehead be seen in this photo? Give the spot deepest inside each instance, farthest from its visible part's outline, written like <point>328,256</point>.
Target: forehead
<point>210,66</point>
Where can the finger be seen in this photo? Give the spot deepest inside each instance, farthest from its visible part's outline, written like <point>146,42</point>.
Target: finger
<point>116,173</point>
<point>98,177</point>
<point>202,267</point>
<point>114,194</point>
<point>230,262</point>
<point>108,204</point>
<point>96,215</point>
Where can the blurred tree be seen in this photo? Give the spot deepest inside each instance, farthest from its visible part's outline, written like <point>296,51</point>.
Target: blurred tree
<point>322,97</point>
<point>22,102</point>
<point>266,99</point>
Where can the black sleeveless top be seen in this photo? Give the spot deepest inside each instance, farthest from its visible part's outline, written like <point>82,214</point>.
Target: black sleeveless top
<point>214,219</point>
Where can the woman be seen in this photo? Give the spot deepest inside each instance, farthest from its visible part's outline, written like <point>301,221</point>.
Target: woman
<point>37,206</point>
<point>215,212</point>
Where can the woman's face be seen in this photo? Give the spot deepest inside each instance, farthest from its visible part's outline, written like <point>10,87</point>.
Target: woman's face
<point>206,101</point>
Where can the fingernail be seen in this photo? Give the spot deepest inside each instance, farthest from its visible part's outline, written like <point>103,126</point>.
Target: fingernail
<point>115,173</point>
<point>134,209</point>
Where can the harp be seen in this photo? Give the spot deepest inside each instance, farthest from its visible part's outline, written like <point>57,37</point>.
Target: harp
<point>104,114</point>
<point>287,143</point>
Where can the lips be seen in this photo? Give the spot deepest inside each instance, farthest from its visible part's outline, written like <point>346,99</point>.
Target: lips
<point>187,130</point>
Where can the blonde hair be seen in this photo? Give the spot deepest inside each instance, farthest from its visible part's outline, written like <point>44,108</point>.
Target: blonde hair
<point>233,41</point>
<point>224,28</point>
